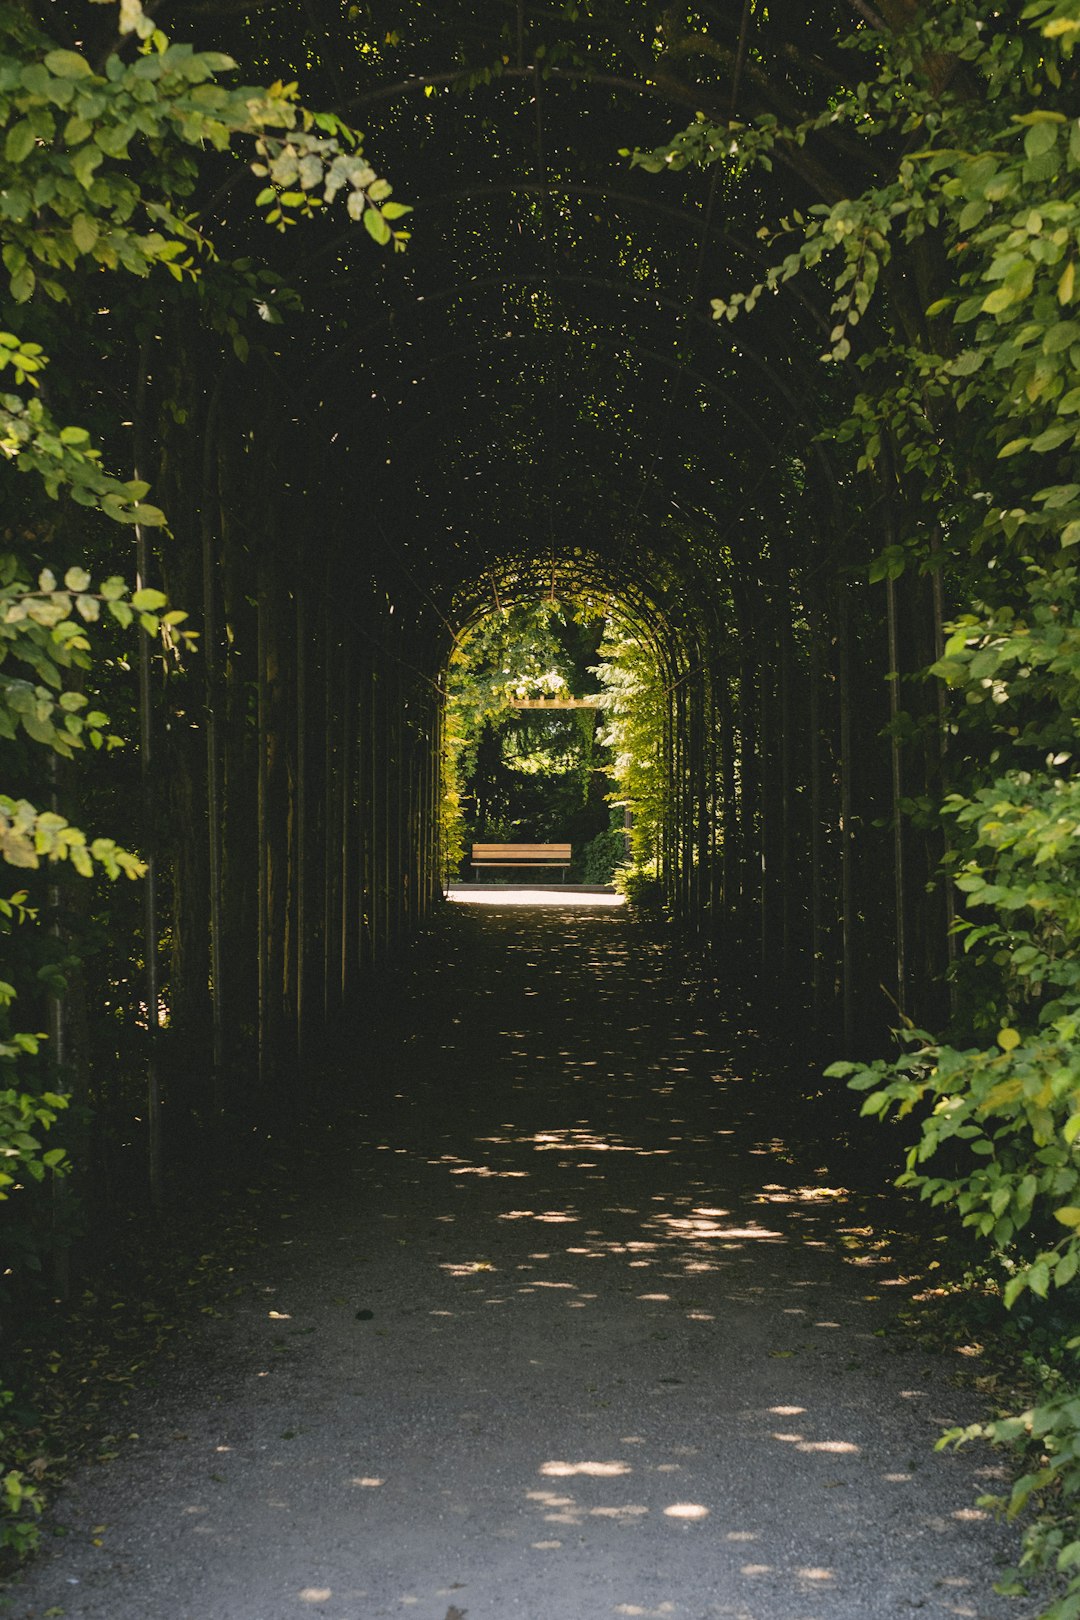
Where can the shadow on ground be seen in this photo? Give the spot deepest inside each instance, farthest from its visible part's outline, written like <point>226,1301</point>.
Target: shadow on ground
<point>566,1327</point>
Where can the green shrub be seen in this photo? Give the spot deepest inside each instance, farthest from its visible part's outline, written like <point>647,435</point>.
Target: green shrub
<point>641,887</point>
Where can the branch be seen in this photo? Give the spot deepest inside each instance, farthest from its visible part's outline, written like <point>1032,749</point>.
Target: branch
<point>868,14</point>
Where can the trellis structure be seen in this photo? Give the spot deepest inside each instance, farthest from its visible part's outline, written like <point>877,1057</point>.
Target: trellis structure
<point>532,403</point>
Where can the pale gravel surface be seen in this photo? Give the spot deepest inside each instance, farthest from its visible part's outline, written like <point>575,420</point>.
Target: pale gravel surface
<point>616,1363</point>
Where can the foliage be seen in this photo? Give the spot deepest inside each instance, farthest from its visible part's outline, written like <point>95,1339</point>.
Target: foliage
<point>511,654</point>
<point>603,854</point>
<point>20,1150</point>
<point>100,161</point>
<point>24,1118</point>
<point>978,402</point>
<point>634,713</point>
<point>641,886</point>
<point>21,1499</point>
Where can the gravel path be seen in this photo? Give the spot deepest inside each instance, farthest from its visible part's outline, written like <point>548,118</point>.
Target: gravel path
<point>564,1332</point>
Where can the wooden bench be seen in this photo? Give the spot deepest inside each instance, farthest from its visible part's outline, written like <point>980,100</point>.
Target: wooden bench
<point>506,857</point>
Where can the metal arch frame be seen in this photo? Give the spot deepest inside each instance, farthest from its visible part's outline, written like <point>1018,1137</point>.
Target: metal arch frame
<point>276,421</point>
<point>641,88</point>
<point>634,591</point>
<point>497,279</point>
<point>788,289</point>
<point>693,429</point>
<point>667,641</point>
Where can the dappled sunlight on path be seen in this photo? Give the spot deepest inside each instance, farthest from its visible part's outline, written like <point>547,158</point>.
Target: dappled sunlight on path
<point>563,1332</point>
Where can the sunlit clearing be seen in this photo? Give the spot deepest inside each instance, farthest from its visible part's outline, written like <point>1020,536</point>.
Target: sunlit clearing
<point>562,1470</point>
<point>531,897</point>
<point>686,1510</point>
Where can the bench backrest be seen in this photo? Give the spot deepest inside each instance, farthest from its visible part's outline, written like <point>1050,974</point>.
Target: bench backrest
<point>521,854</point>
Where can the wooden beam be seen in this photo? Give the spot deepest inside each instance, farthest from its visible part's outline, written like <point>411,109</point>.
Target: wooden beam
<point>554,703</point>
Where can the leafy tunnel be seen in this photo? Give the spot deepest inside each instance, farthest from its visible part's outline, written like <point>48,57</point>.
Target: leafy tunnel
<point>330,330</point>
<point>531,402</point>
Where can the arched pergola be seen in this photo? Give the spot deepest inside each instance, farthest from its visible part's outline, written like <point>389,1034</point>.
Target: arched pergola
<point>535,398</point>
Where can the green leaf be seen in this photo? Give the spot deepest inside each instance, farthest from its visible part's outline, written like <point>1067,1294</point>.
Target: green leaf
<point>997,301</point>
<point>20,141</point>
<point>151,517</point>
<point>22,284</point>
<point>1053,437</point>
<point>376,226</point>
<point>1061,336</point>
<point>68,65</point>
<point>1039,139</point>
<point>1013,1289</point>
<point>84,164</point>
<point>84,232</point>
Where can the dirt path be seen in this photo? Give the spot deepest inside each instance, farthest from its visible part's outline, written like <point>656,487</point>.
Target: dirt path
<point>567,1336</point>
